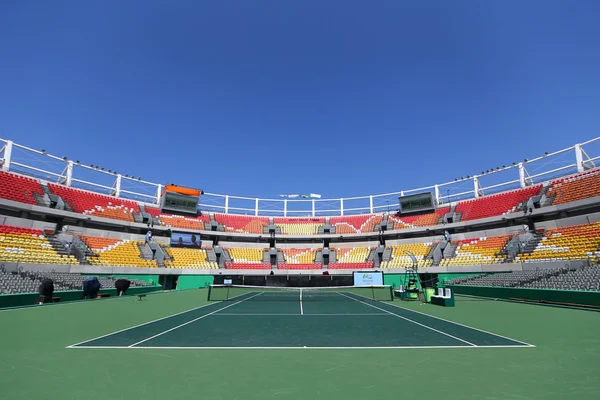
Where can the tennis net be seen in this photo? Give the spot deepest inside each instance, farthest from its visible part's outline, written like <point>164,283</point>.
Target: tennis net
<point>271,293</point>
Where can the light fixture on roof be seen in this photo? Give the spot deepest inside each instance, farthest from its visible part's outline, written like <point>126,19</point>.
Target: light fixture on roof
<point>525,160</point>
<point>102,168</point>
<point>139,179</point>
<point>78,162</point>
<point>455,179</point>
<point>503,166</point>
<point>110,171</point>
<point>43,151</point>
<point>514,163</point>
<point>468,176</point>
<point>487,171</point>
<point>65,158</point>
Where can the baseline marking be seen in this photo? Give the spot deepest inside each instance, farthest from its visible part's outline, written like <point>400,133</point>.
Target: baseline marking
<point>145,323</point>
<point>194,320</point>
<point>295,315</point>
<point>410,320</point>
<point>300,348</point>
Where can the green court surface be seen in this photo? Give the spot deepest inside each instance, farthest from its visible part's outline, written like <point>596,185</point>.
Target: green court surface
<point>179,346</point>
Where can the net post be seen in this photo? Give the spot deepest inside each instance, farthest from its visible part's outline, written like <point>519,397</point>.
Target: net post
<point>209,290</point>
<point>227,295</point>
<point>373,292</point>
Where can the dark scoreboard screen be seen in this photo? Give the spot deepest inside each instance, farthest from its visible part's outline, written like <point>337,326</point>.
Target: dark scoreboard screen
<point>179,199</point>
<point>416,202</point>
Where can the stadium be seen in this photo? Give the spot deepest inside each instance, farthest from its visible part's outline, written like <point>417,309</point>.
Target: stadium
<point>224,278</point>
<point>299,200</point>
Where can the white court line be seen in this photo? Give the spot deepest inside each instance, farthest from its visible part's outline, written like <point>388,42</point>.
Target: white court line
<point>146,323</point>
<point>464,326</point>
<point>292,315</point>
<point>409,320</point>
<point>194,320</point>
<point>301,309</point>
<point>300,347</point>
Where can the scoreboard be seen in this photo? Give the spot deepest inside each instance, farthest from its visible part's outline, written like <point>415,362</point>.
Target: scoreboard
<point>180,199</point>
<point>416,202</point>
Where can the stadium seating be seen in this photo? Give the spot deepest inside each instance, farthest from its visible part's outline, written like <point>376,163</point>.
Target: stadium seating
<point>241,223</point>
<point>299,256</point>
<point>18,188</point>
<point>352,255</point>
<point>401,260</point>
<point>355,223</point>
<point>299,226</point>
<point>241,265</point>
<point>495,205</point>
<point>23,245</point>
<point>188,258</point>
<point>351,265</point>
<point>246,255</point>
<point>96,204</point>
<point>411,221</point>
<point>576,187</point>
<point>299,266</point>
<point>568,243</point>
<point>178,221</point>
<point>351,258</point>
<point>483,250</point>
<point>116,252</point>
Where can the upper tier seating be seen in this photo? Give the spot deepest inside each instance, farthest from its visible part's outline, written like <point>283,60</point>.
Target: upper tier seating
<point>18,188</point>
<point>564,244</point>
<point>299,226</point>
<point>178,221</point>
<point>576,187</point>
<point>116,252</point>
<point>242,223</point>
<point>401,260</point>
<point>236,265</point>
<point>299,256</point>
<point>23,245</point>
<point>96,204</point>
<point>188,258</point>
<point>483,250</point>
<point>495,205</point>
<point>411,221</point>
<point>355,223</point>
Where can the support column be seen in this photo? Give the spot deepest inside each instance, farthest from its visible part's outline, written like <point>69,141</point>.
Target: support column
<point>7,155</point>
<point>342,207</point>
<point>226,203</point>
<point>69,173</point>
<point>118,186</point>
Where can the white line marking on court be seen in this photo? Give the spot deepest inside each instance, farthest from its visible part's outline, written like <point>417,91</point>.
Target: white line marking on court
<point>194,320</point>
<point>295,315</point>
<point>409,320</point>
<point>301,347</point>
<point>146,323</point>
<point>301,308</point>
<point>465,326</point>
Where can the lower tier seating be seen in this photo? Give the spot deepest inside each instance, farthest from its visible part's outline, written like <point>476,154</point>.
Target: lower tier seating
<point>402,260</point>
<point>188,258</point>
<point>116,252</point>
<point>30,246</point>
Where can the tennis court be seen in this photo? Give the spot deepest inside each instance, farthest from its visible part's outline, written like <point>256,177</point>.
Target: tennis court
<point>277,318</point>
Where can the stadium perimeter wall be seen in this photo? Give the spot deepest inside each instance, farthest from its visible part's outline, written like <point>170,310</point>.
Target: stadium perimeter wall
<point>27,299</point>
<point>547,296</point>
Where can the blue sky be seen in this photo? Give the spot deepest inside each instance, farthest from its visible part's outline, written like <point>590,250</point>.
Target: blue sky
<point>260,98</point>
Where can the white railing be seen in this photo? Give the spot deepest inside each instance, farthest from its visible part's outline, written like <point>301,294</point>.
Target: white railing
<point>21,159</point>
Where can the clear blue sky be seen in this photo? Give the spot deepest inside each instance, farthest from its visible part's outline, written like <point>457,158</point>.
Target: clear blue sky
<point>333,97</point>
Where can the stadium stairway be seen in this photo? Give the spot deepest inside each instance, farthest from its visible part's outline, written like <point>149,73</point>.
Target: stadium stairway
<point>57,245</point>
<point>145,251</point>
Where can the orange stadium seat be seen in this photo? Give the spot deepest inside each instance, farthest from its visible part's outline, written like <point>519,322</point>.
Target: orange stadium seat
<point>578,187</point>
<point>96,204</point>
<point>242,223</point>
<point>355,223</point>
